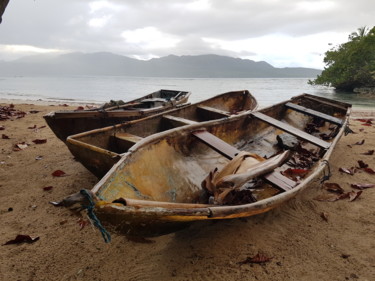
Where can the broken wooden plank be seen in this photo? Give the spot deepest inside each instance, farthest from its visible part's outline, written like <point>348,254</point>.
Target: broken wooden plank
<point>229,152</point>
<point>292,130</point>
<point>314,113</point>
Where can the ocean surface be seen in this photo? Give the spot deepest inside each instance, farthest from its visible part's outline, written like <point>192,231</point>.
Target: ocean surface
<point>97,89</point>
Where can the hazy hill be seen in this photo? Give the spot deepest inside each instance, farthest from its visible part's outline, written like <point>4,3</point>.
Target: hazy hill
<point>203,66</point>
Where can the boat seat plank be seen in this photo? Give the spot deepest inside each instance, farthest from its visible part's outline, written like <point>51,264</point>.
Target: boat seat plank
<point>292,130</point>
<point>178,121</point>
<point>229,152</point>
<point>128,137</point>
<point>154,100</point>
<point>314,113</point>
<point>217,144</point>
<point>121,106</point>
<point>211,110</point>
<point>280,181</point>
<point>125,140</point>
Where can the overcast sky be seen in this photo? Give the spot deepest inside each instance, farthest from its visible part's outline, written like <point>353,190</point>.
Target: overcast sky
<point>281,32</point>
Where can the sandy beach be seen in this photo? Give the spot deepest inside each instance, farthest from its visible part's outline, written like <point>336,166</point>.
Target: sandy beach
<point>304,239</point>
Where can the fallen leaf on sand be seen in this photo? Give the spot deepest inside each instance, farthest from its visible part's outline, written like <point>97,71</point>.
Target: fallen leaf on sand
<point>347,171</point>
<point>362,186</point>
<point>22,239</point>
<point>20,146</point>
<point>324,216</point>
<point>369,170</point>
<point>39,141</point>
<point>369,152</point>
<point>258,258</point>
<point>369,121</point>
<point>59,173</point>
<point>353,195</point>
<point>359,142</point>
<point>333,187</point>
<point>362,164</point>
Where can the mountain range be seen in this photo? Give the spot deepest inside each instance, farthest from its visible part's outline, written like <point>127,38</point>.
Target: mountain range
<point>201,66</point>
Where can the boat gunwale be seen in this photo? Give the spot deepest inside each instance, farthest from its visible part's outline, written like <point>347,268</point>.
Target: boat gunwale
<point>184,99</point>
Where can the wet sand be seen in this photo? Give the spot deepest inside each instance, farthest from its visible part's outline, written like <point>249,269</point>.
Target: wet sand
<point>303,243</point>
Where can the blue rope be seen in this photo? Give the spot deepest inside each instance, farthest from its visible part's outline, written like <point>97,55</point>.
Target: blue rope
<point>93,217</point>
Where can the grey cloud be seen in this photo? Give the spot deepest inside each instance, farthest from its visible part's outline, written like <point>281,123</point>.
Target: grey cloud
<point>65,24</point>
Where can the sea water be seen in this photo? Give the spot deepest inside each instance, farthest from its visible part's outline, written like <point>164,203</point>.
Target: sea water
<point>98,89</point>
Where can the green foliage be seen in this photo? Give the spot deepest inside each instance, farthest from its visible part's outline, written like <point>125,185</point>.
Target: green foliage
<point>351,64</point>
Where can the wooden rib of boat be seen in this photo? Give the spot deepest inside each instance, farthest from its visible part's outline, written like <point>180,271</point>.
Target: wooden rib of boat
<point>98,150</point>
<point>191,173</point>
<point>69,122</point>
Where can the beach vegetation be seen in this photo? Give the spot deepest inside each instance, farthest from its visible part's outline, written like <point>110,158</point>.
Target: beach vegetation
<point>352,64</point>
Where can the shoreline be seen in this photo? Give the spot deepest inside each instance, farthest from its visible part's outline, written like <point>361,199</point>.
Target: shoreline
<point>365,109</point>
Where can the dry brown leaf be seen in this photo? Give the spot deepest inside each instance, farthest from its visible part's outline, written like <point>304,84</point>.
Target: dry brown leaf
<point>347,171</point>
<point>369,152</point>
<point>353,195</point>
<point>333,187</point>
<point>324,216</point>
<point>362,186</point>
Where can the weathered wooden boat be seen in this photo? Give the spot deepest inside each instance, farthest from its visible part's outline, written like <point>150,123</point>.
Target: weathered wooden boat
<point>230,168</point>
<point>98,150</point>
<point>69,122</point>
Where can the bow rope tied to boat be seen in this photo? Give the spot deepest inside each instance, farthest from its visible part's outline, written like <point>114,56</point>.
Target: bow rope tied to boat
<point>85,199</point>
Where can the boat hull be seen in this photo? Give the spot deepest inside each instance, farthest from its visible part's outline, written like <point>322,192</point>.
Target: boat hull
<point>98,150</point>
<point>66,123</point>
<point>158,183</point>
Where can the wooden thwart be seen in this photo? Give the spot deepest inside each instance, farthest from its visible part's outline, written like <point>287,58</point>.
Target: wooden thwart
<point>217,144</point>
<point>211,110</point>
<point>292,130</point>
<point>314,113</point>
<point>125,141</point>
<point>178,121</point>
<point>340,105</point>
<point>229,152</point>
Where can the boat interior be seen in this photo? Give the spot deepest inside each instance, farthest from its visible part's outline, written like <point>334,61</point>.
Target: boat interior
<point>179,166</point>
<point>120,138</point>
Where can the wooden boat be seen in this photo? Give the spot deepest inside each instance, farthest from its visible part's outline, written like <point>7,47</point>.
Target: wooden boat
<point>98,150</point>
<point>69,122</point>
<point>193,173</point>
